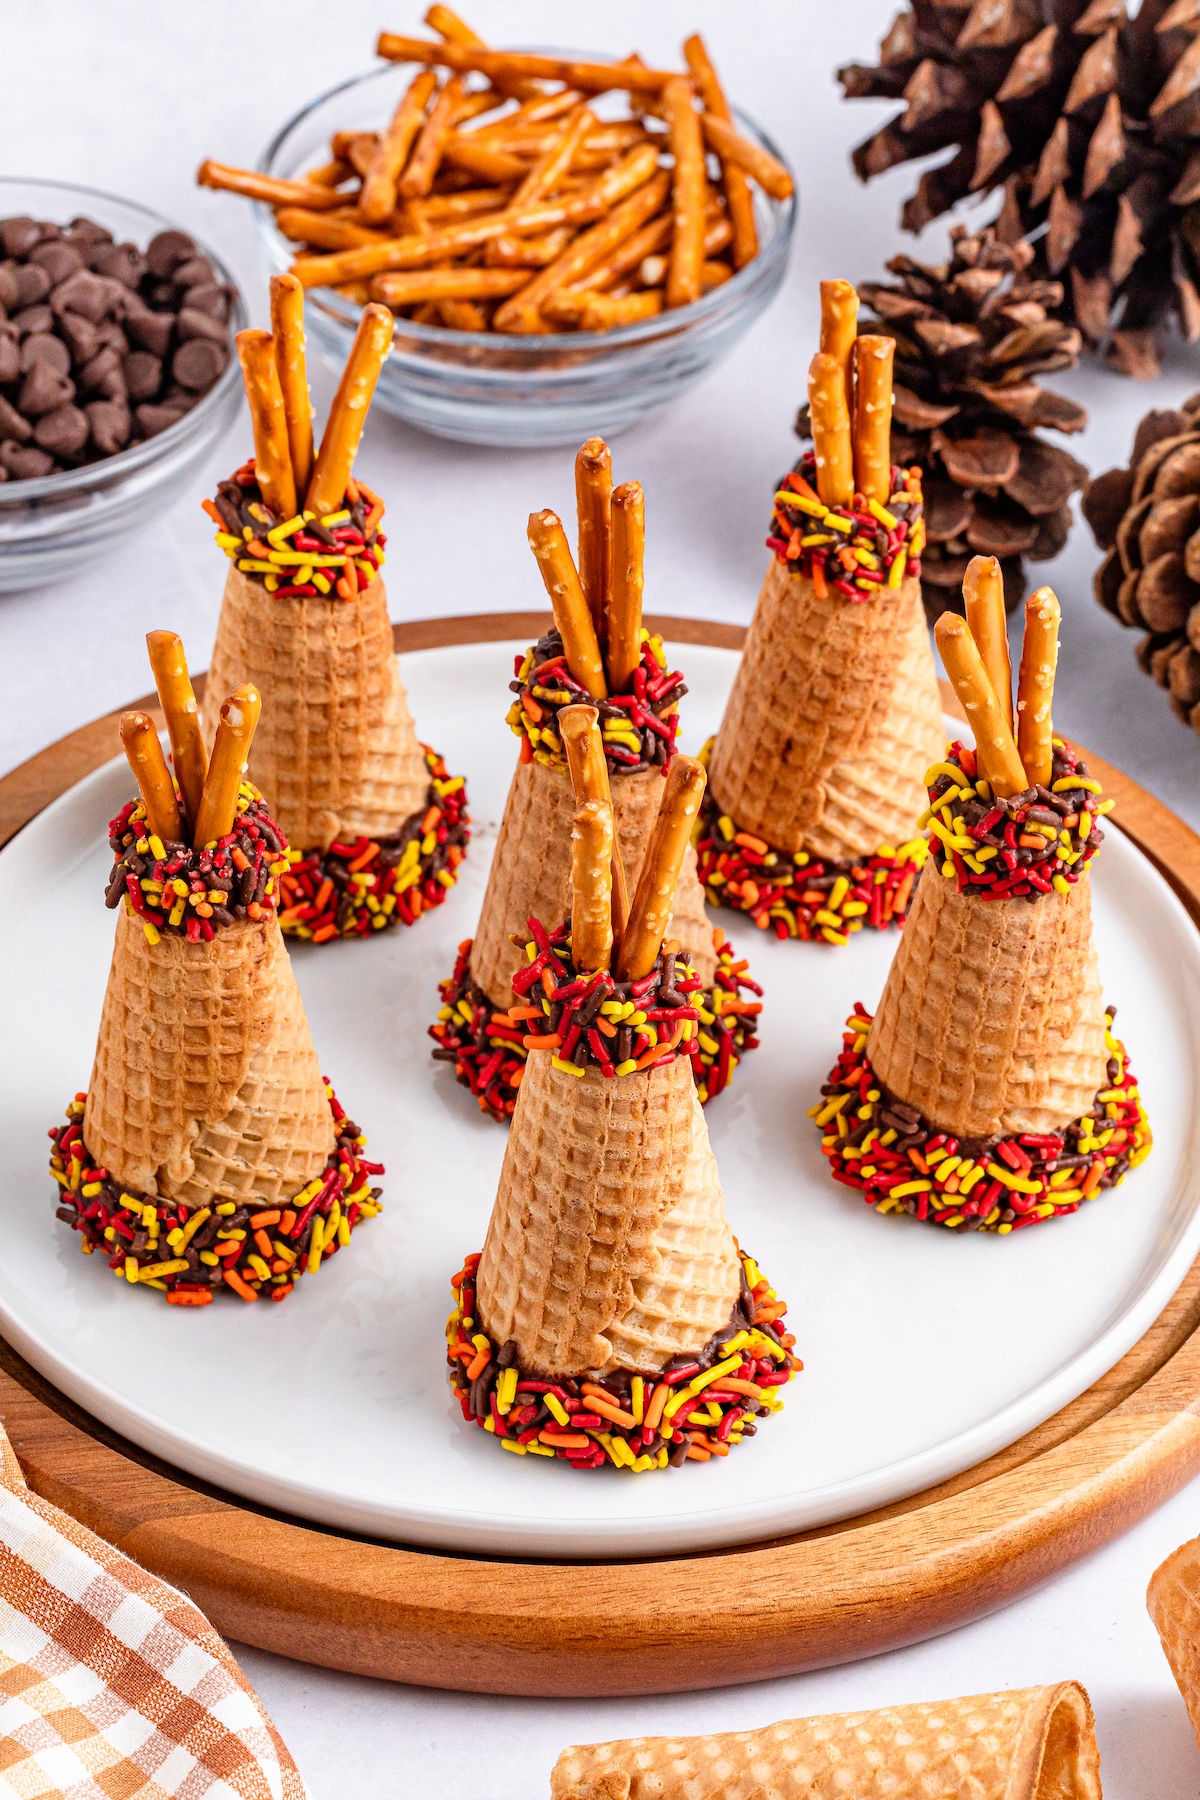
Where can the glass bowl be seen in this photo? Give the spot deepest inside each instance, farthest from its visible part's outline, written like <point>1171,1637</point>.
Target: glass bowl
<point>494,388</point>
<point>56,523</point>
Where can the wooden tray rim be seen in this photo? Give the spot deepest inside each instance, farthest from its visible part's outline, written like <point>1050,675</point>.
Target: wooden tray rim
<point>507,1625</point>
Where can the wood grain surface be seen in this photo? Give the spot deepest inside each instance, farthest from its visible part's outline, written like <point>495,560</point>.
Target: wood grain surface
<point>905,1572</point>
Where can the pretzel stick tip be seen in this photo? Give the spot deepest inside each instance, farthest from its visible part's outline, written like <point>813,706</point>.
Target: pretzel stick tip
<point>873,417</point>
<point>227,770</point>
<point>348,414</point>
<point>287,330</point>
<point>178,702</point>
<point>628,580</point>
<point>140,741</point>
<point>1035,686</point>
<point>689,189</point>
<point>593,509</point>
<point>548,541</point>
<point>272,452</point>
<point>650,910</point>
<point>983,600</point>
<point>831,430</point>
<point>999,763</point>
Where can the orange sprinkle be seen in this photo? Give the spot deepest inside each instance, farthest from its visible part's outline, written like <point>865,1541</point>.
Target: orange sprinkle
<point>238,1285</point>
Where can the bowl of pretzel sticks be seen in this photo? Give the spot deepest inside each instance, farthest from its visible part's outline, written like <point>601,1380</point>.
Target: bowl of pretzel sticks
<point>565,242</point>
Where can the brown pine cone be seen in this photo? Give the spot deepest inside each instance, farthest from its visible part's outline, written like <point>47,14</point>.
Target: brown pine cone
<point>1147,517</point>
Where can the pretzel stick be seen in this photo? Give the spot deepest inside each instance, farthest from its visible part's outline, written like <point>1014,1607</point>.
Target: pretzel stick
<point>348,414</point>
<point>591,886</point>
<point>502,66</point>
<point>687,193</point>
<point>590,247</point>
<point>227,770</point>
<point>378,195</point>
<point>624,634</point>
<point>548,541</point>
<point>999,762</point>
<point>983,597</point>
<point>579,728</point>
<point>545,108</point>
<point>287,330</point>
<point>323,232</point>
<point>590,311</point>
<point>831,430</point>
<point>267,187</point>
<point>462,315</point>
<point>358,148</point>
<point>182,715</point>
<point>556,160</point>
<point>272,454</point>
<point>330,174</point>
<point>1035,686</point>
<point>468,205</point>
<point>767,170</point>
<point>149,765</point>
<point>650,912</point>
<point>839,328</point>
<point>448,25</point>
<point>435,131</point>
<point>873,417</point>
<point>510,252</point>
<point>593,510</point>
<point>737,192</point>
<point>489,164</point>
<point>418,285</point>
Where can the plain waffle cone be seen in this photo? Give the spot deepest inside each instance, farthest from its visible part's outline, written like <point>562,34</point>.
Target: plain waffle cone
<point>205,1080</point>
<point>530,875</point>
<point>833,720</point>
<point>992,1021</point>
<point>1027,1744</point>
<point>607,1244</point>
<point>336,754</point>
<point>1174,1602</point>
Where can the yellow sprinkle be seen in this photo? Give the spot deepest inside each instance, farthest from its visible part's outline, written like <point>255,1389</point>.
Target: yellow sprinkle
<point>570,1068</point>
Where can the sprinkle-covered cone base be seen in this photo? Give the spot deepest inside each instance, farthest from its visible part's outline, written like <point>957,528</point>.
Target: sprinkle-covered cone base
<point>1025,1744</point>
<point>335,754</point>
<point>608,1237</point>
<point>530,875</point>
<point>992,1022</point>
<point>1173,1599</point>
<point>205,1080</point>
<point>833,720</point>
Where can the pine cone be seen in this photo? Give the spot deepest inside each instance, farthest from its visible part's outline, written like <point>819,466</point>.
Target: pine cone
<point>970,336</point>
<point>1087,118</point>
<point>1148,519</point>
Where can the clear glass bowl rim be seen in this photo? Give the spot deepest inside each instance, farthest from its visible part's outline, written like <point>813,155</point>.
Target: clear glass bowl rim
<point>665,325</point>
<point>126,462</point>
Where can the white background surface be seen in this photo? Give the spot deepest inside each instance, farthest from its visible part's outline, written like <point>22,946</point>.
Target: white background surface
<point>131,99</point>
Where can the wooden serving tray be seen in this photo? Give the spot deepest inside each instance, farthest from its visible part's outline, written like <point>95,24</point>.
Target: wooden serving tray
<point>494,1625</point>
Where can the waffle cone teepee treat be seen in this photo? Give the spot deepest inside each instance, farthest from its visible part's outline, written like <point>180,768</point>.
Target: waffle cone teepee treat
<point>989,1093</point>
<point>1023,1744</point>
<point>597,650</point>
<point>1173,1599</point>
<point>611,1316</point>
<point>815,774</point>
<point>208,1151</point>
<point>377,826</point>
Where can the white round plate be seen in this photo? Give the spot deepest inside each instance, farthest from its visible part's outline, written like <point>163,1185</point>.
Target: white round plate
<point>924,1351</point>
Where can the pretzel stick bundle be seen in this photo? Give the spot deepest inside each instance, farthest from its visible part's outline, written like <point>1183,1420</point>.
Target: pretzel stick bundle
<point>999,763</point>
<point>227,770</point>
<point>873,417</point>
<point>624,632</point>
<point>593,507</point>
<point>579,726</point>
<point>272,452</point>
<point>1035,686</point>
<point>348,414</point>
<point>831,430</point>
<point>737,191</point>
<point>688,193</point>
<point>178,702</point>
<point>548,541</point>
<point>287,330</point>
<point>983,601</point>
<point>139,740</point>
<point>378,198</point>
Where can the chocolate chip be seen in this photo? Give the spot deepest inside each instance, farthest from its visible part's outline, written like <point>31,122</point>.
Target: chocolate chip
<point>180,398</point>
<point>9,286</point>
<point>112,385</point>
<point>209,297</point>
<point>123,262</point>
<point>194,324</point>
<point>33,285</point>
<point>150,330</point>
<point>101,365</point>
<point>63,431</point>
<point>43,346</point>
<point>88,232</point>
<point>195,272</point>
<point>165,252</point>
<point>154,419</point>
<point>19,235</point>
<point>199,363</point>
<point>89,295</point>
<point>143,374</point>
<point>80,334</point>
<point>110,424</point>
<point>12,425</point>
<point>59,260</point>
<point>10,357</point>
<point>33,318</point>
<point>25,464</point>
<point>43,389</point>
<point>109,332</point>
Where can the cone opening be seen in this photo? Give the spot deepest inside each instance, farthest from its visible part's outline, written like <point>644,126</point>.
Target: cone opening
<point>191,893</point>
<point>1069,1767</point>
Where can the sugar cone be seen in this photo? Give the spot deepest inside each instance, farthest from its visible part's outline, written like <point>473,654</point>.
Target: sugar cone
<point>992,1021</point>
<point>833,720</point>
<point>1027,1744</point>
<point>607,1246</point>
<point>1173,1598</point>
<point>530,875</point>
<point>205,1080</point>
<point>336,754</point>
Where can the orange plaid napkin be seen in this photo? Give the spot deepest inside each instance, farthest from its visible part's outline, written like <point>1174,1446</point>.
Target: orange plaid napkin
<point>113,1686</point>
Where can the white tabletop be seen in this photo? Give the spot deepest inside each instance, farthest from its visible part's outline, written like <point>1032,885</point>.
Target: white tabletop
<point>136,100</point>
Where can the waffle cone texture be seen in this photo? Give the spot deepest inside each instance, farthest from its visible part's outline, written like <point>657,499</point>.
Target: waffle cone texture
<point>607,1246</point>
<point>206,1081</point>
<point>1028,1744</point>
<point>834,717</point>
<point>1173,1599</point>
<point>336,753</point>
<point>992,1021</point>
<point>530,876</point>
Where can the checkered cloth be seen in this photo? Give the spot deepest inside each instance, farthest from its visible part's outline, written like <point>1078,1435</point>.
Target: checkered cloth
<point>112,1685</point>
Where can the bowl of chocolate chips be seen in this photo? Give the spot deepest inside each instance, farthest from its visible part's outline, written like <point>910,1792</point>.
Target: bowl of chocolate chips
<point>117,371</point>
